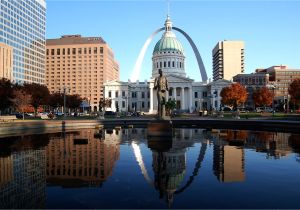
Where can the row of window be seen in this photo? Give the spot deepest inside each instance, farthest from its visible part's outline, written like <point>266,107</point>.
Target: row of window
<point>133,94</point>
<point>166,64</point>
<point>73,51</point>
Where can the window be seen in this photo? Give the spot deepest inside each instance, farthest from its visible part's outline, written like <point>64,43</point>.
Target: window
<point>196,103</point>
<point>123,104</point>
<point>173,64</point>
<point>178,92</point>
<point>69,51</point>
<point>117,94</point>
<point>165,64</point>
<point>170,91</point>
<point>169,63</point>
<point>58,52</point>
<point>64,51</point>
<point>116,105</point>
<point>84,50</point>
<point>74,51</point>
<point>52,51</point>
<point>143,95</point>
<point>143,104</point>
<point>79,51</point>
<point>101,50</point>
<point>160,64</point>
<point>109,94</point>
<point>123,93</point>
<point>148,94</point>
<point>204,94</point>
<point>196,94</point>
<point>95,50</point>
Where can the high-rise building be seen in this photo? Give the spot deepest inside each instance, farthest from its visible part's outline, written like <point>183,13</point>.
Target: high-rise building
<point>22,26</point>
<point>228,59</point>
<point>80,64</point>
<point>6,61</point>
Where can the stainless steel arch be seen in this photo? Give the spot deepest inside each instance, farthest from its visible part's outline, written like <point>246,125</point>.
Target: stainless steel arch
<point>197,54</point>
<point>137,68</point>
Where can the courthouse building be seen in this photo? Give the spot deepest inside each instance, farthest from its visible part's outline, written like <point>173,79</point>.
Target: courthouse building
<point>168,55</point>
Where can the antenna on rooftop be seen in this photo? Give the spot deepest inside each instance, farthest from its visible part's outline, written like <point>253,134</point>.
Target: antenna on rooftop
<point>168,11</point>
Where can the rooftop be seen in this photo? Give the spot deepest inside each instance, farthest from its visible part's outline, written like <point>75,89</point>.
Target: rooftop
<point>74,40</point>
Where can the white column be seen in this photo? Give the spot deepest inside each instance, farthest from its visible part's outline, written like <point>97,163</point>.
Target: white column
<point>151,100</point>
<point>175,93</point>
<point>191,99</point>
<point>182,97</point>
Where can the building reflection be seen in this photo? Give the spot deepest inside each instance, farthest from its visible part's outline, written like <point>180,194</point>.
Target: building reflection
<point>22,172</point>
<point>82,159</point>
<point>169,161</point>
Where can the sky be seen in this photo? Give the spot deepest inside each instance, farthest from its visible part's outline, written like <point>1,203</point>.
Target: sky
<point>270,29</point>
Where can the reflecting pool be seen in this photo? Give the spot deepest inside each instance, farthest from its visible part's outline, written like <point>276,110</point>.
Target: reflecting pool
<point>123,168</point>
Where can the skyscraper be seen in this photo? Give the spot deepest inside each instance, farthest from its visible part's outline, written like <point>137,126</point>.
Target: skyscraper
<point>6,61</point>
<point>228,59</point>
<point>22,26</point>
<point>80,64</point>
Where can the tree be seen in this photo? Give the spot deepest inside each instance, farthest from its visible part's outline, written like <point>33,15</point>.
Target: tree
<point>170,106</point>
<point>39,94</point>
<point>6,94</point>
<point>234,95</point>
<point>103,103</point>
<point>294,91</point>
<point>73,101</point>
<point>22,100</point>
<point>56,100</point>
<point>262,97</point>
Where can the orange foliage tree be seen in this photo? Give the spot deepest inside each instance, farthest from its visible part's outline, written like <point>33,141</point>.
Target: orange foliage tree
<point>263,97</point>
<point>234,95</point>
<point>294,91</point>
<point>22,100</point>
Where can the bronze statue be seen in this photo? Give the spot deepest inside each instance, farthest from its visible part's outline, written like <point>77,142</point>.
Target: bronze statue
<point>161,85</point>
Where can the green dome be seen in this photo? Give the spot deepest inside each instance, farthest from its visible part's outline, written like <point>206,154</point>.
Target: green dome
<point>168,44</point>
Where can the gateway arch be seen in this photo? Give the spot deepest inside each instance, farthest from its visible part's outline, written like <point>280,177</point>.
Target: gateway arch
<point>137,68</point>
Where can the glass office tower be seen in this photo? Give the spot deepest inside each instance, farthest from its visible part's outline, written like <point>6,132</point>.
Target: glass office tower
<point>23,26</point>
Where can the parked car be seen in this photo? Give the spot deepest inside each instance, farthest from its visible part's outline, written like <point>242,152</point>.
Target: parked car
<point>264,109</point>
<point>109,114</point>
<point>226,109</point>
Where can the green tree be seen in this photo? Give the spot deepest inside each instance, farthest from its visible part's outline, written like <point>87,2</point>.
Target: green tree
<point>56,100</point>
<point>170,106</point>
<point>6,94</point>
<point>73,101</point>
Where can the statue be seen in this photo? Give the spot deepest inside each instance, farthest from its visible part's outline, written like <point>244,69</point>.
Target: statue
<point>161,85</point>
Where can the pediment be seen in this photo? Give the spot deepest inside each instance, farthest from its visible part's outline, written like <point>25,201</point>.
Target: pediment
<point>221,82</point>
<point>175,78</point>
<point>115,82</point>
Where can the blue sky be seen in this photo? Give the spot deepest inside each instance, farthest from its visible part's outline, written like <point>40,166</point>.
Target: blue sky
<point>270,29</point>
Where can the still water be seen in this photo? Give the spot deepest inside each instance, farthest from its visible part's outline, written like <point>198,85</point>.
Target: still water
<point>197,168</point>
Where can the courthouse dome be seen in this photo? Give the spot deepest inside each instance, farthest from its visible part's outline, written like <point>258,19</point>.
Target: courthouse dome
<point>168,42</point>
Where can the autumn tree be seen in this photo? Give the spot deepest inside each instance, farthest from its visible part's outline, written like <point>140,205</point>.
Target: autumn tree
<point>39,94</point>
<point>103,103</point>
<point>294,91</point>
<point>21,101</point>
<point>262,97</point>
<point>234,95</point>
<point>6,94</point>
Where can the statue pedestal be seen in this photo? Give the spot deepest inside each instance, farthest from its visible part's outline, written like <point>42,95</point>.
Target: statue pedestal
<point>160,135</point>
<point>160,128</point>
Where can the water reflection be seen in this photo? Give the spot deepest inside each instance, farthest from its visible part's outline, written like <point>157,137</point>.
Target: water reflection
<point>87,158</point>
<point>81,159</point>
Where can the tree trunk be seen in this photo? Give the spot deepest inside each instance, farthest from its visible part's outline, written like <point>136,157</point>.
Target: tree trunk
<point>23,113</point>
